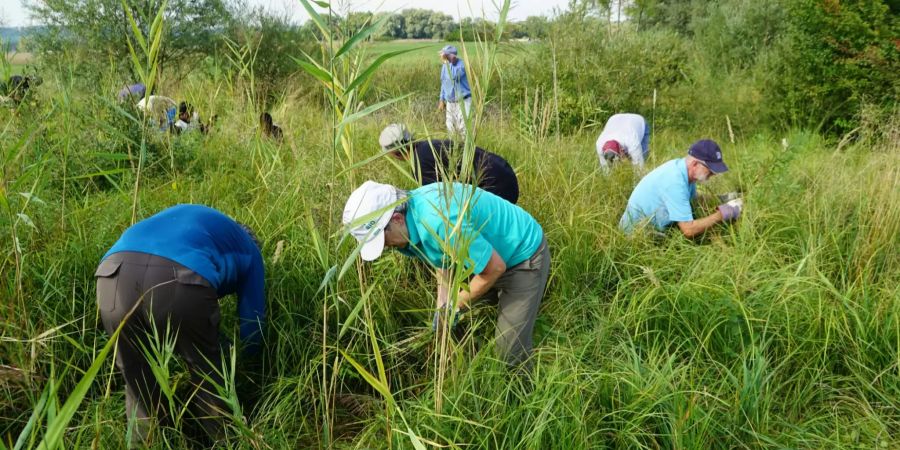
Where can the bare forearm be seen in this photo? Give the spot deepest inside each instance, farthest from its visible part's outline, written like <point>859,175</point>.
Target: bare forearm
<point>478,286</point>
<point>696,227</point>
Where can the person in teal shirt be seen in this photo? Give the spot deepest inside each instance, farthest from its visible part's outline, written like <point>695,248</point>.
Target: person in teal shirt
<point>498,244</point>
<point>663,197</point>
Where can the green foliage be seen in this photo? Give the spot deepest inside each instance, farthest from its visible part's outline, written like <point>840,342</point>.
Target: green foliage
<point>733,34</point>
<point>533,27</point>
<point>97,28</point>
<point>473,30</point>
<point>780,331</point>
<point>672,14</point>
<point>270,40</point>
<point>834,58</point>
<point>426,24</point>
<point>587,74</point>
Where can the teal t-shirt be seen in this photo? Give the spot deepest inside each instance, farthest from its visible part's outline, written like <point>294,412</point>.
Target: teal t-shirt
<point>663,196</point>
<point>476,220</point>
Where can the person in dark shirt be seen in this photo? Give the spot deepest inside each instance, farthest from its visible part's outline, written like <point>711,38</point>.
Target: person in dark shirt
<point>134,92</point>
<point>433,160</point>
<point>17,87</point>
<point>170,269</point>
<point>269,129</point>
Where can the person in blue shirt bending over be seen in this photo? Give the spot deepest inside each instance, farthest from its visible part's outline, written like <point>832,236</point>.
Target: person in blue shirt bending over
<point>499,247</point>
<point>663,197</point>
<point>456,96</point>
<point>170,270</point>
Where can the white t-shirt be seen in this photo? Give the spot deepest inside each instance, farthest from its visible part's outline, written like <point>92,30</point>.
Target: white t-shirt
<point>628,130</point>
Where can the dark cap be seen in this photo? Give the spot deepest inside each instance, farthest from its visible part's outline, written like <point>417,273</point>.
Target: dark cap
<point>708,151</point>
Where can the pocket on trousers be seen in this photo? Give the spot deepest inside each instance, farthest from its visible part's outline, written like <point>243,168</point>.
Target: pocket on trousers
<point>106,284</point>
<point>107,268</point>
<point>187,276</point>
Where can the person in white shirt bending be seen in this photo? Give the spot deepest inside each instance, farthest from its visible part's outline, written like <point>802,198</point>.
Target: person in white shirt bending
<point>625,136</point>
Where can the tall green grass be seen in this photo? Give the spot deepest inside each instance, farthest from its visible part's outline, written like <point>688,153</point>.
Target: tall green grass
<point>782,330</point>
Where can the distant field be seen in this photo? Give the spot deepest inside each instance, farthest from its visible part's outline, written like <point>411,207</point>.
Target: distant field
<point>19,60</point>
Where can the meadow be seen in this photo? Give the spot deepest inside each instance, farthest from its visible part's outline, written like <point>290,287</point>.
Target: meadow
<point>780,330</point>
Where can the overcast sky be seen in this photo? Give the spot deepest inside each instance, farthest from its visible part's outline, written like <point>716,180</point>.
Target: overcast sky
<point>13,13</point>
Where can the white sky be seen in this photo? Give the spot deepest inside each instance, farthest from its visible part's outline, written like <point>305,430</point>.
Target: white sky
<point>13,13</point>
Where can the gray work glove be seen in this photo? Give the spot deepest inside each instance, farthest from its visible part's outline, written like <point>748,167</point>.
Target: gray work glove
<point>731,210</point>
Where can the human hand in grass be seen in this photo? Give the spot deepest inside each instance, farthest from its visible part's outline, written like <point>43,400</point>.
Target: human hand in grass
<point>439,317</point>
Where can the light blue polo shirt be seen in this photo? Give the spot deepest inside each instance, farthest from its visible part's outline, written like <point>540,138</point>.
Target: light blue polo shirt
<point>663,196</point>
<point>489,223</point>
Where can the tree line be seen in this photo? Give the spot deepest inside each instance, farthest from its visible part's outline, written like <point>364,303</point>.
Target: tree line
<point>804,62</point>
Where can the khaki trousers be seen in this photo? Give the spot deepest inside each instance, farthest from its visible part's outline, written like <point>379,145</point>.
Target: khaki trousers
<point>518,293</point>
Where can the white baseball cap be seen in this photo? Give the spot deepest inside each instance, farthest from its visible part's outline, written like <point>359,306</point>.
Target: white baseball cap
<point>393,135</point>
<point>367,212</point>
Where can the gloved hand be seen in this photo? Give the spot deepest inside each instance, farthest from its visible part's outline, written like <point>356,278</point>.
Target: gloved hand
<point>731,210</point>
<point>437,322</point>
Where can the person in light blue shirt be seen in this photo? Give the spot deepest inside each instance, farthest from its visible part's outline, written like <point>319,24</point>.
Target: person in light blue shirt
<point>456,96</point>
<point>454,226</point>
<point>165,274</point>
<point>664,195</point>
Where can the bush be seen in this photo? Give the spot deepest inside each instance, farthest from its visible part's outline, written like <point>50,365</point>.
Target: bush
<point>598,72</point>
<point>273,40</point>
<point>100,29</point>
<point>833,58</point>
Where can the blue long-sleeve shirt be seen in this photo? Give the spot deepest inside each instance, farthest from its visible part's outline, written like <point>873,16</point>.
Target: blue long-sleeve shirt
<point>216,248</point>
<point>454,83</point>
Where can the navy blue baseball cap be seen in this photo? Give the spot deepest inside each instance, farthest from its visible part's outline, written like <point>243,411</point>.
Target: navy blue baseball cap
<point>708,151</point>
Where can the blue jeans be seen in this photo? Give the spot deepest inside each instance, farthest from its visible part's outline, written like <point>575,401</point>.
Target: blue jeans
<point>645,141</point>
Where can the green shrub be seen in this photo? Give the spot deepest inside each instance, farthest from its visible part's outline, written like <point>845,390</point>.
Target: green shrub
<point>834,57</point>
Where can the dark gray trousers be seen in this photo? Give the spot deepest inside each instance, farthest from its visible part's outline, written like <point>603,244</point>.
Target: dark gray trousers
<point>518,293</point>
<point>177,301</point>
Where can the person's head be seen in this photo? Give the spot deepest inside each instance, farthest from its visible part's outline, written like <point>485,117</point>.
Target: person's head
<point>448,53</point>
<point>184,111</point>
<point>265,120</point>
<point>375,214</point>
<point>704,160</point>
<point>612,150</point>
<point>17,81</point>
<point>395,139</point>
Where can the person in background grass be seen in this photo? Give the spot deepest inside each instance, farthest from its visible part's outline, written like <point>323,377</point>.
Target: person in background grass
<point>171,269</point>
<point>432,160</point>
<point>269,129</point>
<point>134,92</point>
<point>15,90</point>
<point>625,136</point>
<point>504,248</point>
<point>161,109</point>
<point>189,120</point>
<point>456,96</point>
<point>664,195</point>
